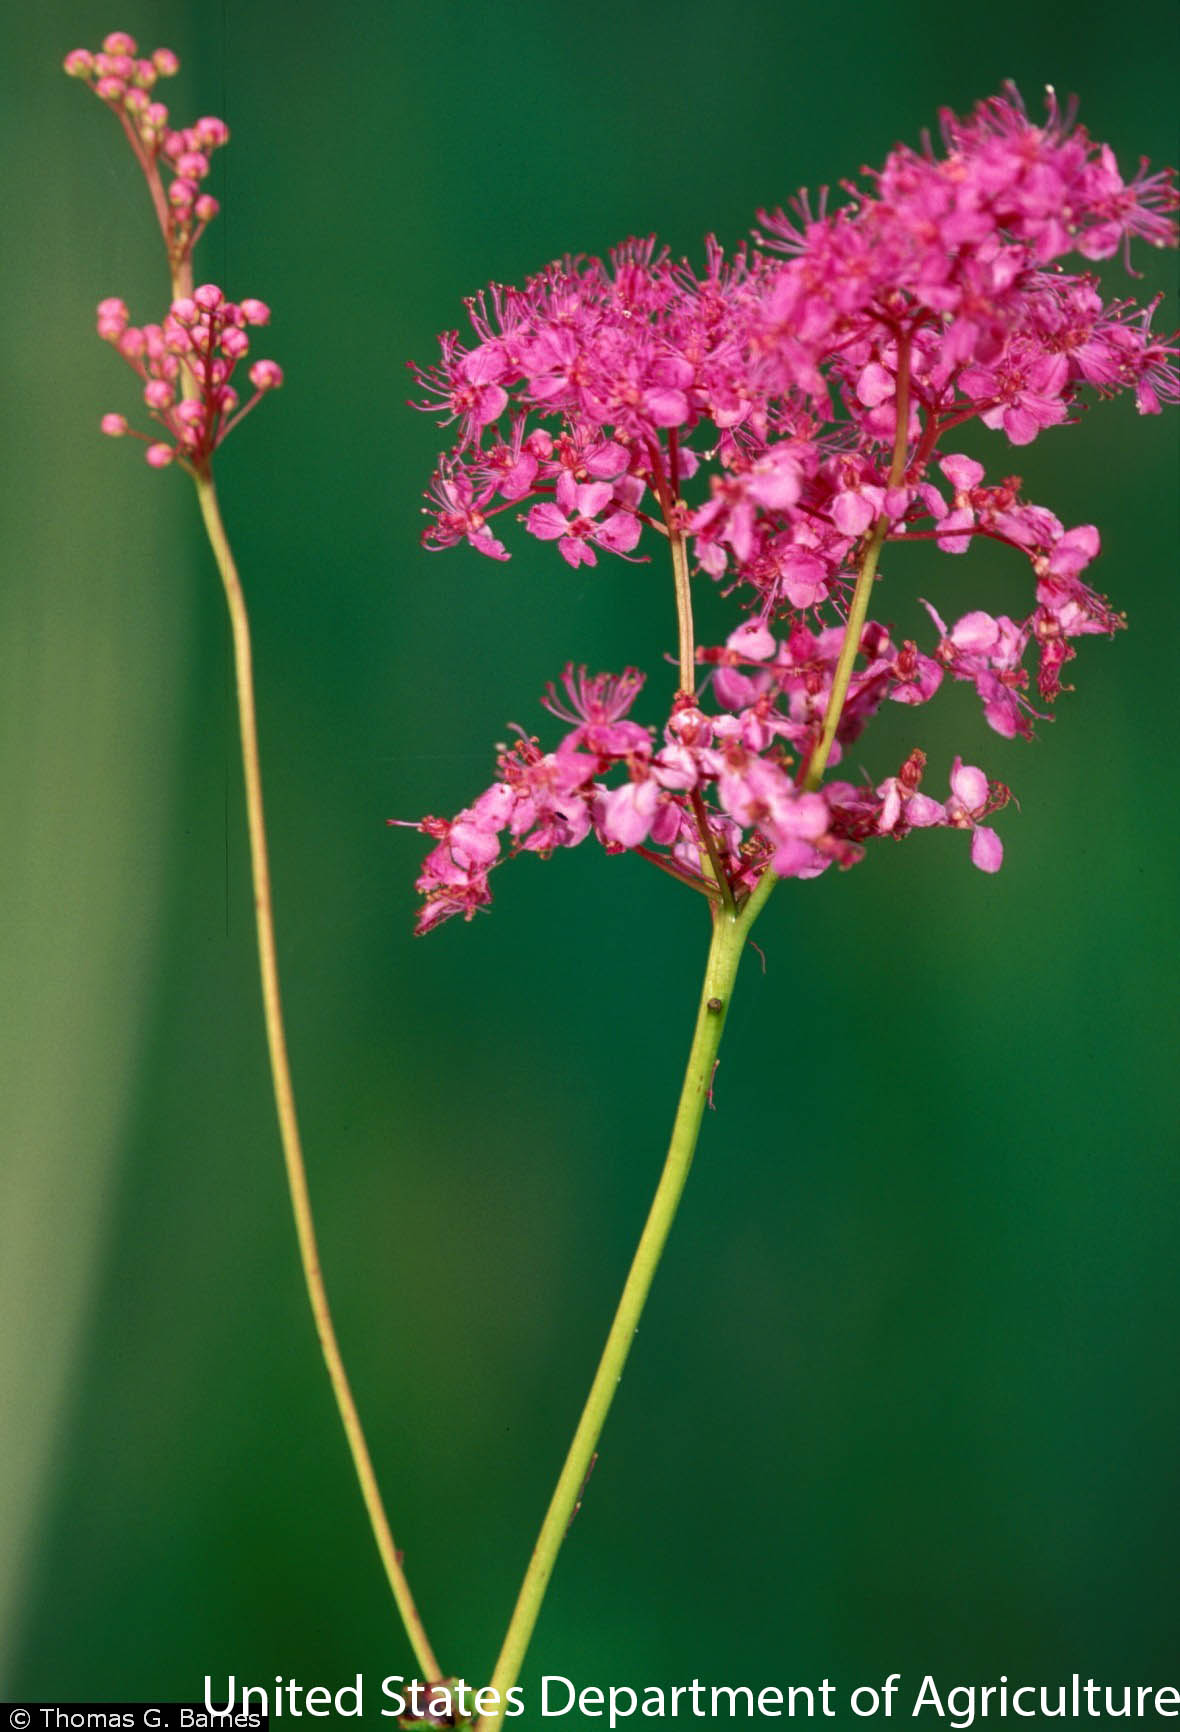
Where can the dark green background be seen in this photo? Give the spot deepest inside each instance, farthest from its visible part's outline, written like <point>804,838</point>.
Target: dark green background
<point>906,1395</point>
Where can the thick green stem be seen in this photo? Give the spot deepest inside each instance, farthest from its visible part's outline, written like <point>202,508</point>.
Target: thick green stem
<point>284,1092</point>
<point>730,930</point>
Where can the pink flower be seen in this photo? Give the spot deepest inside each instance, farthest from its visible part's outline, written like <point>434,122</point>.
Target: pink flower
<point>990,652</point>
<point>458,513</point>
<point>973,797</point>
<point>625,815</point>
<point>903,805</point>
<point>573,521</point>
<point>1023,396</point>
<point>756,792</point>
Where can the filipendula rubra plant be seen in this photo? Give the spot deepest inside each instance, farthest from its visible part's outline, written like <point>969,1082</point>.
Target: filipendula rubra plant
<point>776,420</point>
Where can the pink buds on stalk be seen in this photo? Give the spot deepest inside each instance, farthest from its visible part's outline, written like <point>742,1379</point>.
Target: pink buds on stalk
<point>186,365</point>
<point>776,416</point>
<point>123,79</point>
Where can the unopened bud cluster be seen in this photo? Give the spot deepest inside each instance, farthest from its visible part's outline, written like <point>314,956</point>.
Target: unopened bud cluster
<point>187,362</point>
<point>187,365</point>
<point>125,80</point>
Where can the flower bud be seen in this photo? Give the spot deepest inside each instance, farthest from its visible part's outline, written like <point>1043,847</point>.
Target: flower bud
<point>690,726</point>
<point>209,133</point>
<point>113,318</point>
<point>266,375</point>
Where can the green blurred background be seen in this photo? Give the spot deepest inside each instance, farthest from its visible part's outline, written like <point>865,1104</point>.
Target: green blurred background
<point>906,1396</point>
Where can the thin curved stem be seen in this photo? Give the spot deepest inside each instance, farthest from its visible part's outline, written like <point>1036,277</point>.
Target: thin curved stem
<point>730,930</point>
<point>716,866</point>
<point>670,507</point>
<point>849,649</point>
<point>151,173</point>
<point>284,1092</point>
<point>683,609</point>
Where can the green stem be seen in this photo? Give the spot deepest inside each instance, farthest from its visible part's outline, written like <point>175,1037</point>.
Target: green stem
<point>284,1092</point>
<point>730,930</point>
<point>849,649</point>
<point>670,507</point>
<point>859,607</point>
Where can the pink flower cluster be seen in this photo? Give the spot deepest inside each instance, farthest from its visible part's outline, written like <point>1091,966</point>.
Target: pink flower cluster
<point>714,799</point>
<point>201,341</point>
<point>124,80</point>
<point>788,369</point>
<point>776,418</point>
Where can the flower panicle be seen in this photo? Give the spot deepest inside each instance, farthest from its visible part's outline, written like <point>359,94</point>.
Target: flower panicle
<point>126,82</point>
<point>784,368</point>
<point>739,766</point>
<point>186,365</point>
<point>784,418</point>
